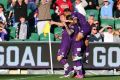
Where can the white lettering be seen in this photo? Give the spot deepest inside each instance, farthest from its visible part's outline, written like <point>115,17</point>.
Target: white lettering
<point>110,57</point>
<point>102,57</point>
<point>1,56</point>
<point>39,62</point>
<point>9,57</point>
<point>28,53</point>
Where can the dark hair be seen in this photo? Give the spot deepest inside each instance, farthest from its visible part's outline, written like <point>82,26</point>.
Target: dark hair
<point>2,6</point>
<point>69,17</point>
<point>67,10</point>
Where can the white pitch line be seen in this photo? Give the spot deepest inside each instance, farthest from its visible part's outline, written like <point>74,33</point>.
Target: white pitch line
<point>11,79</point>
<point>23,78</point>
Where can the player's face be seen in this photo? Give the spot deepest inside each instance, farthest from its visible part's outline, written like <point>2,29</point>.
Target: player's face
<point>62,18</point>
<point>67,13</point>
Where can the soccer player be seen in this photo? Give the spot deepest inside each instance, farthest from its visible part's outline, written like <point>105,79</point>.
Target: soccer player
<point>64,46</point>
<point>76,48</point>
<point>75,42</point>
<point>83,32</point>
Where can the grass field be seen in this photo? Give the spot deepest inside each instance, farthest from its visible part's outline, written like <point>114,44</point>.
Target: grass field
<point>54,77</point>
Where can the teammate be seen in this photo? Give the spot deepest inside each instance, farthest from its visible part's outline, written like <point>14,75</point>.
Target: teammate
<point>83,32</point>
<point>75,41</point>
<point>64,46</point>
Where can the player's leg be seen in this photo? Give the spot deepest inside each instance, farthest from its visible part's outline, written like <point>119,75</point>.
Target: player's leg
<point>76,49</point>
<point>62,57</point>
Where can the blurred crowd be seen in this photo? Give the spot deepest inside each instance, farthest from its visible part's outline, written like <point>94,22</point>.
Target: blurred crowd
<point>20,19</point>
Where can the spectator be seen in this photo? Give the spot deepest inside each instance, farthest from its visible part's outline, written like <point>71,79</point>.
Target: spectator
<point>116,2</point>
<point>116,36</point>
<point>100,2</point>
<point>11,20</point>
<point>97,24</point>
<point>106,9</point>
<point>95,35</point>
<point>31,4</point>
<point>10,4</point>
<point>91,20</point>
<point>96,2</point>
<point>20,9</point>
<point>3,32</point>
<point>91,5</point>
<point>2,16</point>
<point>22,29</point>
<point>4,2</point>
<point>60,5</point>
<point>117,12</point>
<point>43,15</point>
<point>79,6</point>
<point>108,36</point>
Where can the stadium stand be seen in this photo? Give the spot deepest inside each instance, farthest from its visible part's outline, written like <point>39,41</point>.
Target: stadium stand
<point>105,22</point>
<point>45,37</point>
<point>52,12</point>
<point>58,31</point>
<point>12,32</point>
<point>92,12</point>
<point>34,37</point>
<point>4,2</point>
<point>117,23</point>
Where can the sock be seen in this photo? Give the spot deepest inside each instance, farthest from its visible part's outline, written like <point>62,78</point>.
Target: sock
<point>78,67</point>
<point>63,61</point>
<point>67,68</point>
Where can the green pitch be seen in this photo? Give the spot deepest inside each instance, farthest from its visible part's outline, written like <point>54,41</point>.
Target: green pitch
<point>54,77</point>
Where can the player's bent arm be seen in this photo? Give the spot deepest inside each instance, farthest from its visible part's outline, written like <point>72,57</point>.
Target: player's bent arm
<point>57,23</point>
<point>69,31</point>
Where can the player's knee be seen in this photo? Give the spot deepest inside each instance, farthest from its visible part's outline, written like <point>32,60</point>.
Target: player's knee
<point>73,57</point>
<point>59,58</point>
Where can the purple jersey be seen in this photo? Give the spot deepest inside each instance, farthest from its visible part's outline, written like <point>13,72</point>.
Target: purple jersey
<point>65,44</point>
<point>76,28</point>
<point>85,27</point>
<point>69,41</point>
<point>76,45</point>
